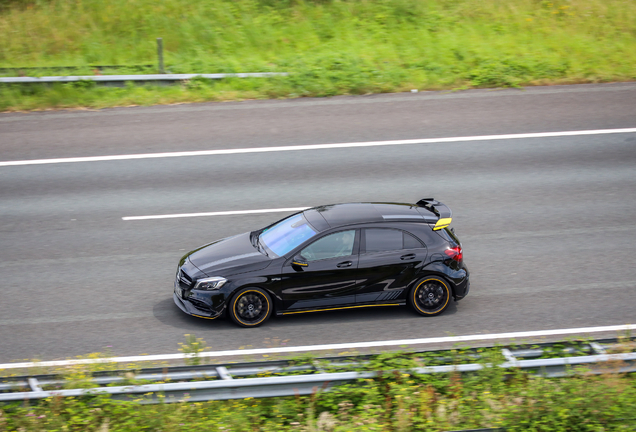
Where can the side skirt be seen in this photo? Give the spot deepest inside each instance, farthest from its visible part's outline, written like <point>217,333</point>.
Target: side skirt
<point>400,303</point>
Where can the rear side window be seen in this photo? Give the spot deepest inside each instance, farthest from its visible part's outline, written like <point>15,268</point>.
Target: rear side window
<point>411,242</point>
<point>448,235</point>
<point>381,240</point>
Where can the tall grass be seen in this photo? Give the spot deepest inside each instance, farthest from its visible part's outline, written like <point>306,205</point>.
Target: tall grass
<point>397,401</point>
<point>335,46</point>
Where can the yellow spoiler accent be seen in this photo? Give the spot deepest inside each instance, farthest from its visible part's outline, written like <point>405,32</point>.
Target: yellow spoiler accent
<point>442,223</point>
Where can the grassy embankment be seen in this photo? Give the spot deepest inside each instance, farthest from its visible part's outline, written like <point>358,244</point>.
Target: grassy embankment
<point>396,401</point>
<point>330,47</point>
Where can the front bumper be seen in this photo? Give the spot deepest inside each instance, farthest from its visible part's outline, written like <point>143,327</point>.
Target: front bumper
<point>188,307</point>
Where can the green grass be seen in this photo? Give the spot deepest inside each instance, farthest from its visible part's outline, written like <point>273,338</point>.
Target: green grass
<point>396,401</point>
<point>329,46</point>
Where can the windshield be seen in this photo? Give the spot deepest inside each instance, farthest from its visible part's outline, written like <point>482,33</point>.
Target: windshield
<point>287,234</point>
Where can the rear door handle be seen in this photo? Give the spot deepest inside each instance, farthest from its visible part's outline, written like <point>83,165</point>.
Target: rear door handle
<point>344,264</point>
<point>407,257</point>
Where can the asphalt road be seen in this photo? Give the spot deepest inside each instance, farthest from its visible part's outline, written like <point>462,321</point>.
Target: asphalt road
<point>548,225</point>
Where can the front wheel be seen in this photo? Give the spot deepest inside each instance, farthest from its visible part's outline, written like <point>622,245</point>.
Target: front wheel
<point>430,296</point>
<point>250,307</point>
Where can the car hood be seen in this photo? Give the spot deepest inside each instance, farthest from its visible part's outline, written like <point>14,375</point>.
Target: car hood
<point>229,256</point>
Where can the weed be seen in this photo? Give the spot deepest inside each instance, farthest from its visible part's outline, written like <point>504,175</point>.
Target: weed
<point>394,401</point>
<point>81,375</point>
<point>192,348</point>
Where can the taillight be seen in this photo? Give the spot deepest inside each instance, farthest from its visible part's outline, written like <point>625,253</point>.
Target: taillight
<point>455,253</point>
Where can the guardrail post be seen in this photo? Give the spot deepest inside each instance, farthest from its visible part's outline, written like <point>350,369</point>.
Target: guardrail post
<point>160,55</point>
<point>317,367</point>
<point>509,356</point>
<point>34,384</point>
<point>598,348</point>
<point>223,373</point>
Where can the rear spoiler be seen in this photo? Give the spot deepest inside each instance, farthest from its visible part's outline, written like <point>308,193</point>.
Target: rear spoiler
<point>439,209</point>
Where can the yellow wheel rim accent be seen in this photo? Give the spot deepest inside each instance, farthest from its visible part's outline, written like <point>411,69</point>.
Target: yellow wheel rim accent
<point>236,316</point>
<point>418,287</point>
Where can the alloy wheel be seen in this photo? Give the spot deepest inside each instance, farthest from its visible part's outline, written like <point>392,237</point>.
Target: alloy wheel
<point>431,297</point>
<point>251,307</point>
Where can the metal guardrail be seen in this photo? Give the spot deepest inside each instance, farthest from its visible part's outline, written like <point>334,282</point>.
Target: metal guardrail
<point>135,78</point>
<point>220,382</point>
<point>202,372</point>
<point>73,68</point>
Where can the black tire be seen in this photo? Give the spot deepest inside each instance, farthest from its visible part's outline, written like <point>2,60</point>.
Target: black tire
<point>430,296</point>
<point>250,307</point>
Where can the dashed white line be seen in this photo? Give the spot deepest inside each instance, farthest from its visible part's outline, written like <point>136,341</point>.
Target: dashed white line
<point>340,346</point>
<point>317,147</point>
<point>220,213</point>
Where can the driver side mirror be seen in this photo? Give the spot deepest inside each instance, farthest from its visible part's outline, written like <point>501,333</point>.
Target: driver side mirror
<point>299,262</point>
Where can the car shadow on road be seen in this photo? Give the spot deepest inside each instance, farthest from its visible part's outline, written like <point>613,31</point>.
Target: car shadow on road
<point>356,315</point>
<point>166,312</point>
<point>169,314</point>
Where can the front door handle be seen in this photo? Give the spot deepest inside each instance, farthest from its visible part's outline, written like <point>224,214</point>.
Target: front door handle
<point>344,264</point>
<point>407,257</point>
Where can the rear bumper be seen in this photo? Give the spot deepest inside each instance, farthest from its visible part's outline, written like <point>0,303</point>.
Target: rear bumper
<point>462,288</point>
<point>465,291</point>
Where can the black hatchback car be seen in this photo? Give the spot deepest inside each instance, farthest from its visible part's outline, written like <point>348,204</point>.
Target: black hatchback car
<point>329,257</point>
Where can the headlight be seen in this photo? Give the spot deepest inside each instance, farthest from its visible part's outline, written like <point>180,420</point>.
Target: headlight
<point>212,283</point>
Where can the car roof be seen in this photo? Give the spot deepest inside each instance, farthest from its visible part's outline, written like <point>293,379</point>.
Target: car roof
<point>335,215</point>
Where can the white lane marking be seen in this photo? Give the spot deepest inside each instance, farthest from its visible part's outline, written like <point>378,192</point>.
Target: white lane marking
<point>221,213</point>
<point>79,318</point>
<point>507,289</point>
<point>317,147</point>
<point>547,233</point>
<point>340,346</point>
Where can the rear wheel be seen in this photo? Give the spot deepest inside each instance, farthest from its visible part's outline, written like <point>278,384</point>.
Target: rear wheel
<point>430,296</point>
<point>250,307</point>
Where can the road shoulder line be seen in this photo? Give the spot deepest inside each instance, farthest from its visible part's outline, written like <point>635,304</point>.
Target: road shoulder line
<point>339,346</point>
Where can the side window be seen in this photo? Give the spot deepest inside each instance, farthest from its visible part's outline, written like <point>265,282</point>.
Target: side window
<point>334,245</point>
<point>378,240</point>
<point>382,240</point>
<point>411,242</point>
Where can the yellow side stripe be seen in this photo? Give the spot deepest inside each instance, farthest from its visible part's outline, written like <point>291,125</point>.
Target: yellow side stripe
<point>442,223</point>
<point>340,308</point>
